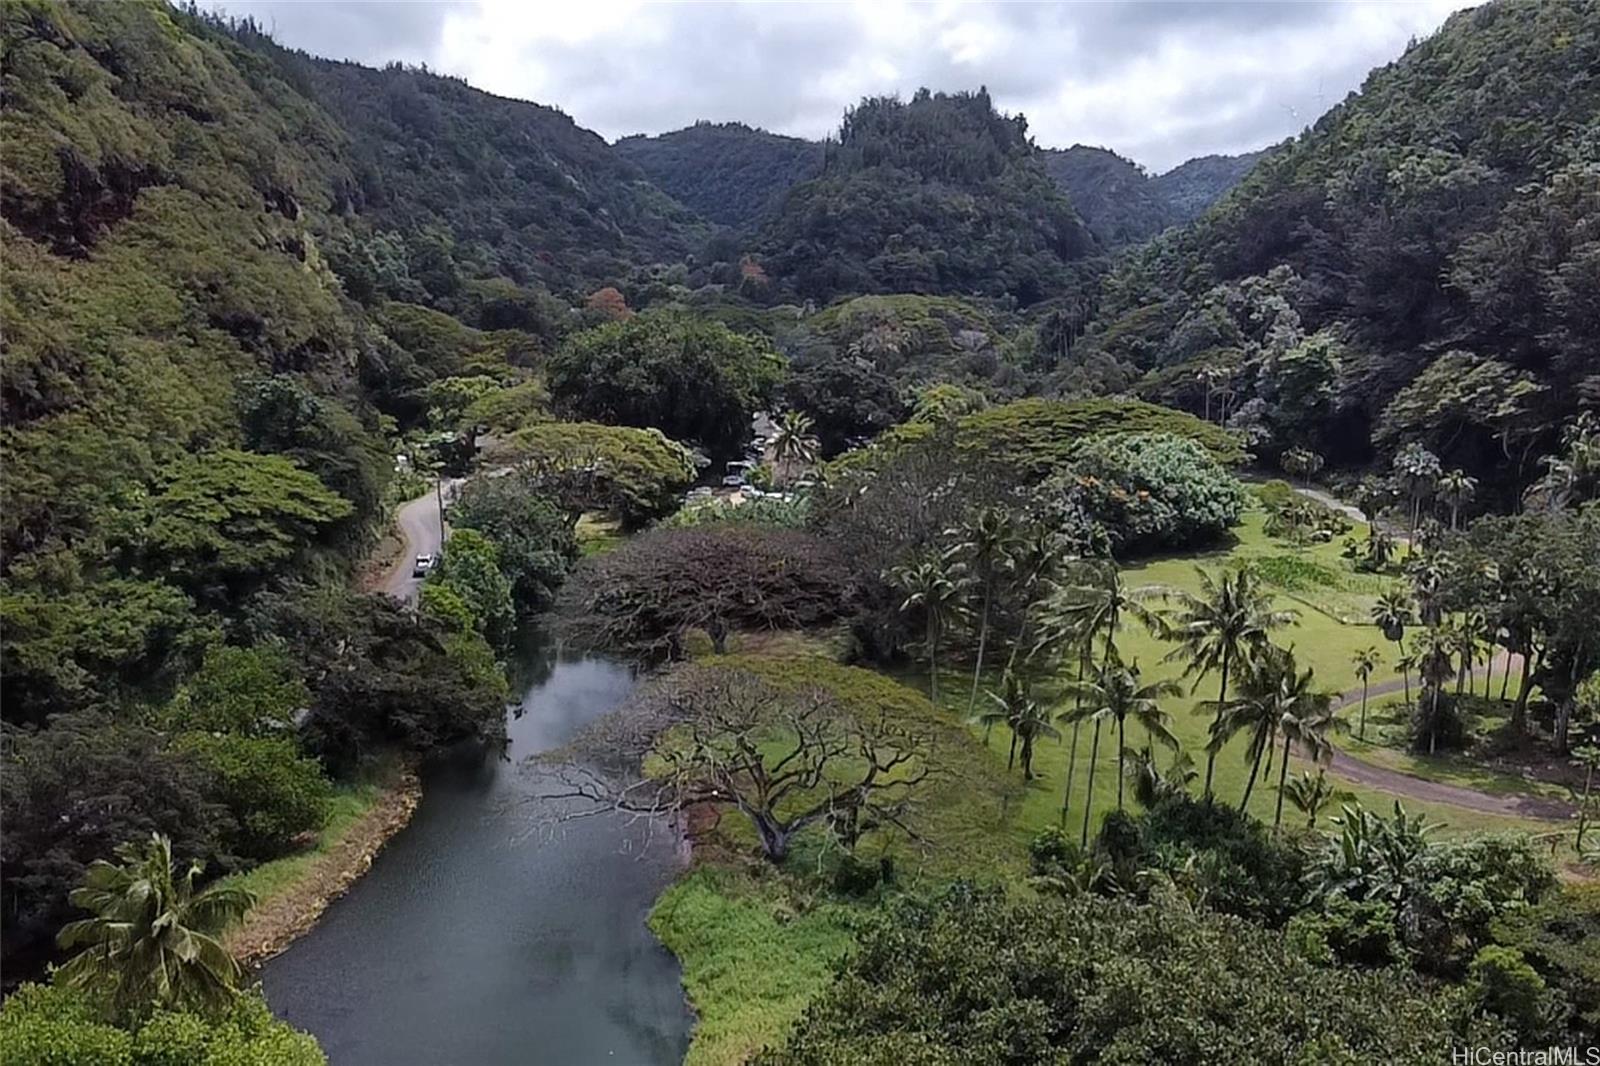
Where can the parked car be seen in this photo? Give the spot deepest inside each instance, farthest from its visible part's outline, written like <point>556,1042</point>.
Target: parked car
<point>733,481</point>
<point>422,565</point>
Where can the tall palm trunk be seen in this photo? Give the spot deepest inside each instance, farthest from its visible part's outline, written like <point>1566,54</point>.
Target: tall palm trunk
<point>1255,768</point>
<point>933,659</point>
<point>1072,766</point>
<point>1011,760</point>
<point>1122,753</point>
<point>1433,718</point>
<point>1088,799</point>
<point>983,640</point>
<point>1222,696</point>
<point>1362,730</point>
<point>1405,671</point>
<point>1283,772</point>
<point>1519,713</point>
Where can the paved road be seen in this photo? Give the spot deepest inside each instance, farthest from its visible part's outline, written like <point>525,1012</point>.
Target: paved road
<point>1406,786</point>
<point>419,526</point>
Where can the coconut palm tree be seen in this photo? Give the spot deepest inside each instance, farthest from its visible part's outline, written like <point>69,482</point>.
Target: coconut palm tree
<point>1365,661</point>
<point>1117,691</point>
<point>1218,628</point>
<point>1307,719</point>
<point>1093,599</point>
<point>1392,613</point>
<point>154,937</point>
<point>1026,718</point>
<point>1269,689</point>
<point>1311,794</point>
<point>1038,557</point>
<point>930,586</point>
<point>1151,784</point>
<point>1086,711</point>
<point>794,445</point>
<point>1457,488</point>
<point>984,546</point>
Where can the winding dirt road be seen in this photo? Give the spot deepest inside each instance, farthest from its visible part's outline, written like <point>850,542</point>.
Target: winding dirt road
<point>1407,786</point>
<point>422,533</point>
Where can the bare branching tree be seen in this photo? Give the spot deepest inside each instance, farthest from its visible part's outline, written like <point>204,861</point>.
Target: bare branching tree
<point>787,759</point>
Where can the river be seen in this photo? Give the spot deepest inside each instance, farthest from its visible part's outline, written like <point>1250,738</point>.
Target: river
<point>479,939</point>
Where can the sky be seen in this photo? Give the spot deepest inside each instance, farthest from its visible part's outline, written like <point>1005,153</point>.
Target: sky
<point>1156,82</point>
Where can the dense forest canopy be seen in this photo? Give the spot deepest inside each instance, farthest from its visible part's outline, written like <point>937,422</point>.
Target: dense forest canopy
<point>724,171</point>
<point>1124,205</point>
<point>938,194</point>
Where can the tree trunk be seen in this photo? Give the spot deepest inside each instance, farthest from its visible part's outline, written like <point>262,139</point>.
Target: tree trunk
<point>1433,718</point>
<point>1088,799</point>
<point>1519,713</point>
<point>1362,731</point>
<point>1011,760</point>
<point>1027,757</point>
<point>977,670</point>
<point>1222,696</point>
<point>774,838</point>
<point>1122,748</point>
<point>1249,786</point>
<point>1072,766</point>
<point>1283,773</point>
<point>1505,677</point>
<point>1405,671</point>
<point>933,661</point>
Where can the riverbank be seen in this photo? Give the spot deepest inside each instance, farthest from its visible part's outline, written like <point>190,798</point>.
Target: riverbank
<point>292,892</point>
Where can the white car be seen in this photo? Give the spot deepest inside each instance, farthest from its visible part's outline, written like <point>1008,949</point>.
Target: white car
<point>422,565</point>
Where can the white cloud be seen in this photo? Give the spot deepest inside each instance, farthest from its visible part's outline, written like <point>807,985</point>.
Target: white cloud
<point>1159,82</point>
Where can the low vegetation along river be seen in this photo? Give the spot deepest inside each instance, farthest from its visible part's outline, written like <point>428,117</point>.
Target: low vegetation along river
<point>479,938</point>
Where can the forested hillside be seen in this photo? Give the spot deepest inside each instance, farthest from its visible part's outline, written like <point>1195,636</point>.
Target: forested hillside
<point>1191,187</point>
<point>1421,266</point>
<point>1117,199</point>
<point>725,171</point>
<point>938,194</point>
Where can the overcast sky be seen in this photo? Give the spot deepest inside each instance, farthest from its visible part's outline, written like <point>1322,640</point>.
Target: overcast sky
<point>1157,82</point>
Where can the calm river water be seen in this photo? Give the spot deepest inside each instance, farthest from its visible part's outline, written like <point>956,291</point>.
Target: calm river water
<point>479,939</point>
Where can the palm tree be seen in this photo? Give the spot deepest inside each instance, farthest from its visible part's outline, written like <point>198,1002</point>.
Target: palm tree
<point>1416,471</point>
<point>1392,613</point>
<point>1587,759</point>
<point>1365,661</point>
<point>1086,711</point>
<point>1270,690</point>
<point>1117,692</point>
<point>793,444</point>
<point>1468,637</point>
<point>1026,718</point>
<point>930,586</point>
<point>1310,794</point>
<point>153,937</point>
<point>1308,717</point>
<point>985,547</point>
<point>1217,629</point>
<point>1151,785</point>
<point>1037,559</point>
<point>1457,488</point>
<point>1094,601</point>
<point>1434,664</point>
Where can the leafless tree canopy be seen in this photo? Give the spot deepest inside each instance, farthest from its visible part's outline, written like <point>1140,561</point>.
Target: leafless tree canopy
<point>644,596</point>
<point>786,759</point>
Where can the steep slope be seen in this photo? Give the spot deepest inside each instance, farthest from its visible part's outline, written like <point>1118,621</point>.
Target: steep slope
<point>522,190</point>
<point>726,172</point>
<point>939,194</point>
<point>1190,188</point>
<point>1114,195</point>
<point>164,202</point>
<point>1423,265</point>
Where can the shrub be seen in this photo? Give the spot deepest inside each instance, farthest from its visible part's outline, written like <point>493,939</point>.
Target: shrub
<point>1502,982</point>
<point>1560,937</point>
<point>972,977</point>
<point>54,1026</point>
<point>534,541</point>
<point>252,691</point>
<point>470,567</point>
<point>1359,934</point>
<point>273,793</point>
<point>792,513</point>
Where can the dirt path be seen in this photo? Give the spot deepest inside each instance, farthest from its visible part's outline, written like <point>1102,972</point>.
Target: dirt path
<point>281,918</point>
<point>1408,786</point>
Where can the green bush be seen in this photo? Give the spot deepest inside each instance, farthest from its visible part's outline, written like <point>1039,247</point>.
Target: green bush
<point>975,978</point>
<point>793,513</point>
<point>1560,937</point>
<point>1503,983</point>
<point>534,541</point>
<point>252,691</point>
<point>43,1025</point>
<point>470,567</point>
<point>273,792</point>
<point>1360,934</point>
<point>1147,492</point>
<point>636,474</point>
